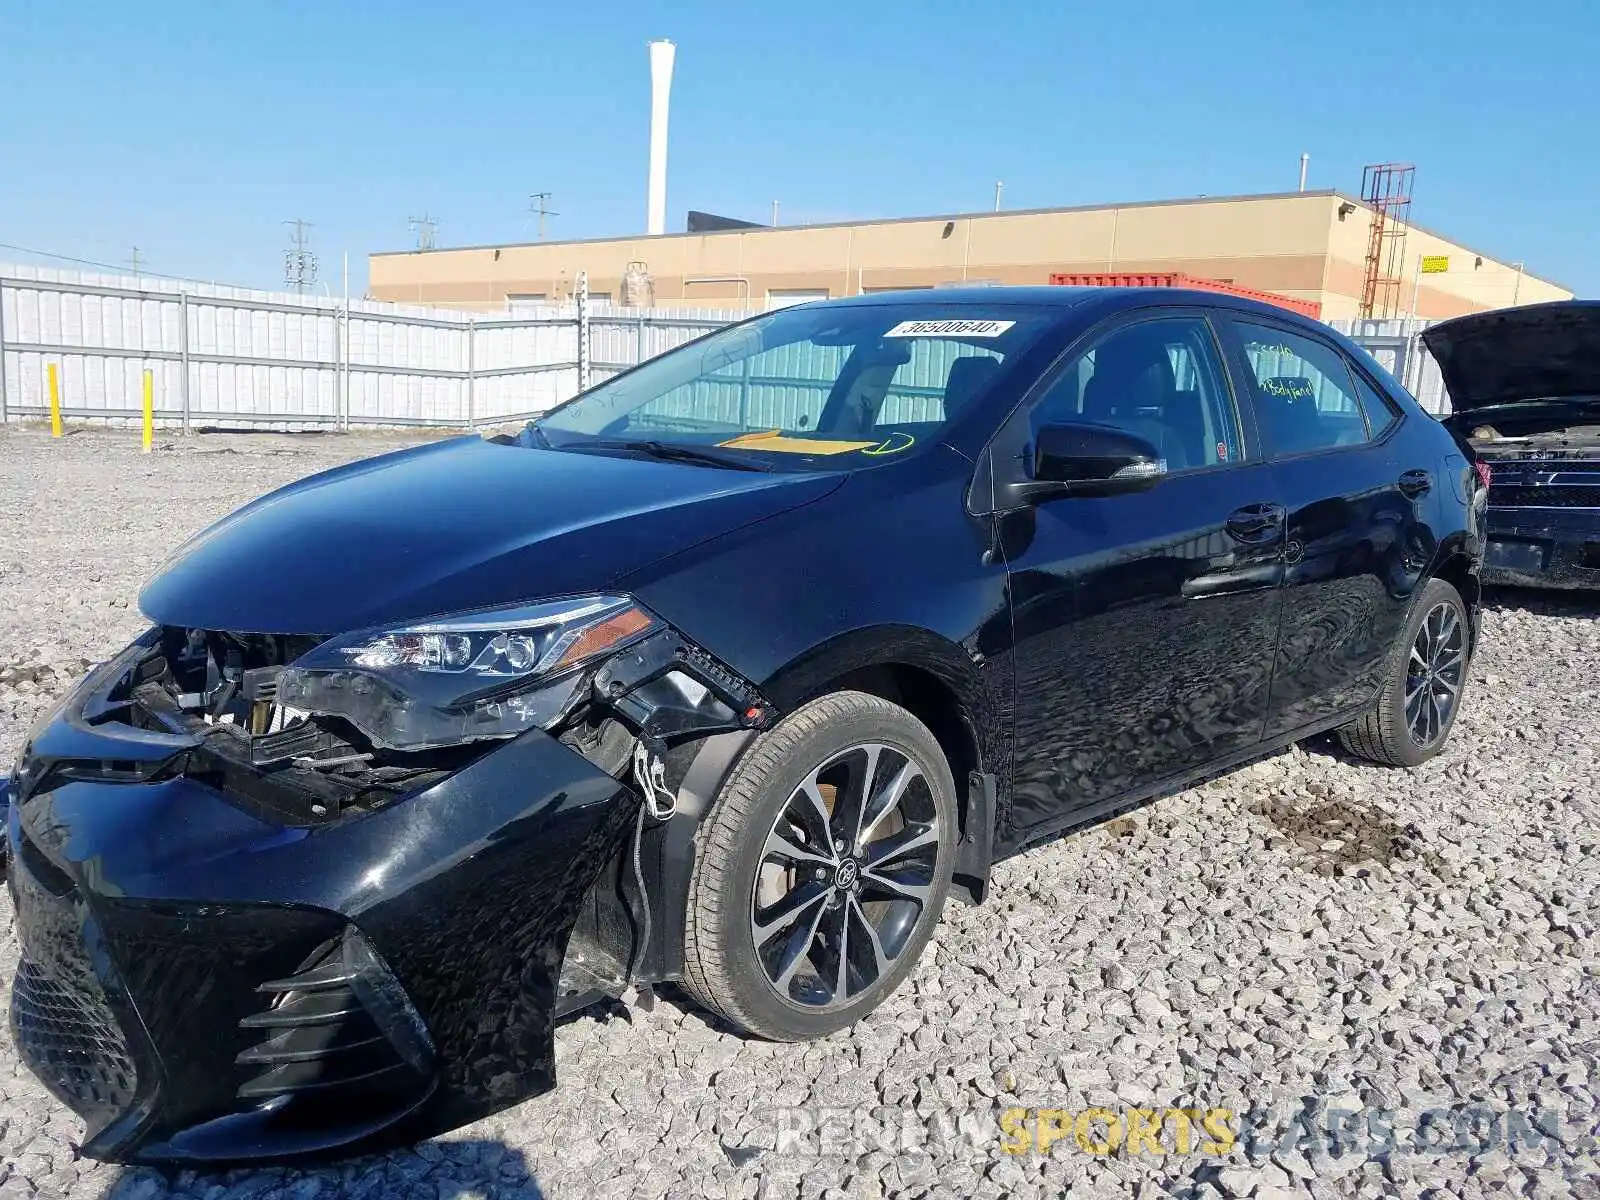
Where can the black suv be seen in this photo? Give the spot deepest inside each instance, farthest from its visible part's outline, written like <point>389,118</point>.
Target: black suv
<point>726,672</point>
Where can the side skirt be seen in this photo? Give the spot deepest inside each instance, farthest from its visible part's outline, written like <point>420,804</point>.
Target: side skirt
<point>1126,802</point>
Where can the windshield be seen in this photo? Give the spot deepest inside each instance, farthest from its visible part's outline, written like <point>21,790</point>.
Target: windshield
<point>838,384</point>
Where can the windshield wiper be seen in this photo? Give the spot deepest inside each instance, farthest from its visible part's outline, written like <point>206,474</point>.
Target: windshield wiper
<point>673,452</point>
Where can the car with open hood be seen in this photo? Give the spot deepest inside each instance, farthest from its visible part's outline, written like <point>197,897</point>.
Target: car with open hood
<point>1524,388</point>
<point>729,672</point>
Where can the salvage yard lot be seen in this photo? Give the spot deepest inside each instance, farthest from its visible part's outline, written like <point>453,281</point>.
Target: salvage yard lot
<point>1304,938</point>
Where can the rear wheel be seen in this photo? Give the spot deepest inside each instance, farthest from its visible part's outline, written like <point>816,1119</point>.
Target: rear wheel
<point>1422,694</point>
<point>822,869</point>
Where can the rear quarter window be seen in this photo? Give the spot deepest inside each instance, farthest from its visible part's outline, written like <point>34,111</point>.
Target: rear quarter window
<point>1379,410</point>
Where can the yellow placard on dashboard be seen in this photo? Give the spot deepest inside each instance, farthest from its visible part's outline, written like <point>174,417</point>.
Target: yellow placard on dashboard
<point>776,440</point>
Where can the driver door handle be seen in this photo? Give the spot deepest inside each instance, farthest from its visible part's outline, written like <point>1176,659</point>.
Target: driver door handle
<point>1415,483</point>
<point>1255,523</point>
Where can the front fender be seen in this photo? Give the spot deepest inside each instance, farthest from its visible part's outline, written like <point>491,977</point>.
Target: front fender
<point>859,650</point>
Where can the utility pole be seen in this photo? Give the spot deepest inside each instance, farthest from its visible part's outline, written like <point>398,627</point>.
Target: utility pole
<point>424,227</point>
<point>135,261</point>
<point>538,204</point>
<point>998,188</point>
<point>299,263</point>
<point>774,214</point>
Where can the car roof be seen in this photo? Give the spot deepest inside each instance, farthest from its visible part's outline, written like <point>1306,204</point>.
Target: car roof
<point>942,296</point>
<point>1101,300</point>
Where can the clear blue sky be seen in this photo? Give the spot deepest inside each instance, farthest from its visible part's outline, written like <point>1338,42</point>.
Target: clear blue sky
<point>195,129</point>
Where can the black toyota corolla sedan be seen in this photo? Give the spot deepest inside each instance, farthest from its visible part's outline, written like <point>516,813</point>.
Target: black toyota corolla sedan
<point>727,672</point>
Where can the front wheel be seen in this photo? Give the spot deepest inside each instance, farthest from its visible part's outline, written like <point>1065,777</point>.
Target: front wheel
<point>1422,692</point>
<point>822,869</point>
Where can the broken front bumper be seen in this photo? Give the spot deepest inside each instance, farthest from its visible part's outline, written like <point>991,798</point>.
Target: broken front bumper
<point>203,981</point>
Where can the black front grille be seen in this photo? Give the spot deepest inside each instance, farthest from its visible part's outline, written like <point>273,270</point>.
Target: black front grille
<point>1556,496</point>
<point>66,1033</point>
<point>63,1023</point>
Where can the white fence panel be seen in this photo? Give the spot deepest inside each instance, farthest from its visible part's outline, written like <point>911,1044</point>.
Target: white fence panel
<point>223,356</point>
<point>524,364</point>
<point>1399,350</point>
<point>621,338</point>
<point>262,357</point>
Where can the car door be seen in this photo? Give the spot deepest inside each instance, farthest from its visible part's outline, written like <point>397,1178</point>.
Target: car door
<point>1144,623</point>
<point>1358,534</point>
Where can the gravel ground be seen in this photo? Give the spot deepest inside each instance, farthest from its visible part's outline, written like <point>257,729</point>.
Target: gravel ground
<point>1390,977</point>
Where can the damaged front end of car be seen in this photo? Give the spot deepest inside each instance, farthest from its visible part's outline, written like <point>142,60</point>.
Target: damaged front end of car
<point>286,895</point>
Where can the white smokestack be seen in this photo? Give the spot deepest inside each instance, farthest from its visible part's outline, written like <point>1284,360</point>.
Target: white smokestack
<point>661,54</point>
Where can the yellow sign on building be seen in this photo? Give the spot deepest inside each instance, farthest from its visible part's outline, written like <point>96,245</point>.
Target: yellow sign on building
<point>1435,264</point>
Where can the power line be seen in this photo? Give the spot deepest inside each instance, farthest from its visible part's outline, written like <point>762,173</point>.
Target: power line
<point>122,267</point>
<point>537,204</point>
<point>299,263</point>
<point>118,268</point>
<point>424,227</point>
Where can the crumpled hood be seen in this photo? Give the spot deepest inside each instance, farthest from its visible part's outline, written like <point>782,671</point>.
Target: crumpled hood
<point>448,527</point>
<point>1536,352</point>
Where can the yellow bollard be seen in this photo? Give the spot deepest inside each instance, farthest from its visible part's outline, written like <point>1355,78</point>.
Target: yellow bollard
<point>55,402</point>
<point>149,410</point>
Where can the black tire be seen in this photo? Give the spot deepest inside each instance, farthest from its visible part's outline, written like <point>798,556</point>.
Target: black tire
<point>724,968</point>
<point>1386,734</point>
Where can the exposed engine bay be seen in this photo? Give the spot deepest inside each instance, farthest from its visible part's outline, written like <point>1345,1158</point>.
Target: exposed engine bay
<point>1543,429</point>
<point>222,689</point>
<point>1543,460</point>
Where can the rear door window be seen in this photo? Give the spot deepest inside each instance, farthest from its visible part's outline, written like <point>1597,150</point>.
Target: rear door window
<point>1305,397</point>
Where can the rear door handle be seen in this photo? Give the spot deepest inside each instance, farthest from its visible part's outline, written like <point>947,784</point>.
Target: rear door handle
<point>1415,483</point>
<point>1255,522</point>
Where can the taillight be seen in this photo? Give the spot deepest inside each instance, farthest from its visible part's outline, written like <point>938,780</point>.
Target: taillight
<point>1484,474</point>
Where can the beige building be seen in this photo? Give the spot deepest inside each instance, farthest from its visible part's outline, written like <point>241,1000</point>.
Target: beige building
<point>1311,246</point>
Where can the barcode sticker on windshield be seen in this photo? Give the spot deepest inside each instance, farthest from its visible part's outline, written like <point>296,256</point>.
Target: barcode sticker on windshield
<point>950,329</point>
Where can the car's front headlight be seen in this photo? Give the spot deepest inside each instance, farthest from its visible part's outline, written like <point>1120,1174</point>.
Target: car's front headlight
<point>486,674</point>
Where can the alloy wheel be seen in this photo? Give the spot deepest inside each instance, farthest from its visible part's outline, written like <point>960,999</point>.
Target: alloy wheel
<point>1434,674</point>
<point>846,871</point>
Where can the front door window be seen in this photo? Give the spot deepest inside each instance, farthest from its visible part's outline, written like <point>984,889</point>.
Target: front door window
<point>1162,380</point>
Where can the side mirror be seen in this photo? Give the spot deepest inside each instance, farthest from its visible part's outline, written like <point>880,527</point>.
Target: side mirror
<point>1083,459</point>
